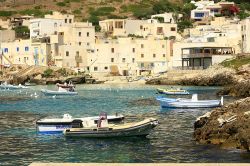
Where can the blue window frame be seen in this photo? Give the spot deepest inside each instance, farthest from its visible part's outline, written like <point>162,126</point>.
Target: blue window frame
<point>199,15</point>
<point>17,49</point>
<point>6,50</point>
<point>26,48</point>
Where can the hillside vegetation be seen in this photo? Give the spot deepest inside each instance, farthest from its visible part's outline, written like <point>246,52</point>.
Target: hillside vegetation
<point>96,10</point>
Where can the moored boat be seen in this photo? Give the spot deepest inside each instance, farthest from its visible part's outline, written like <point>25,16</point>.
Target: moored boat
<point>105,130</point>
<point>63,89</point>
<point>188,103</point>
<point>172,91</point>
<point>57,125</point>
<point>60,91</point>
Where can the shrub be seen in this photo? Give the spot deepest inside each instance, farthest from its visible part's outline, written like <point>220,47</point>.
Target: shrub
<point>35,12</point>
<point>95,21</point>
<point>47,73</point>
<point>77,11</point>
<point>61,4</point>
<point>22,32</point>
<point>63,71</point>
<point>102,11</point>
<point>6,13</point>
<point>183,25</point>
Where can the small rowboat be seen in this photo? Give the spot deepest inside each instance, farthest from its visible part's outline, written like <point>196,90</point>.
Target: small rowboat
<point>57,125</point>
<point>188,103</point>
<point>106,130</point>
<point>172,91</point>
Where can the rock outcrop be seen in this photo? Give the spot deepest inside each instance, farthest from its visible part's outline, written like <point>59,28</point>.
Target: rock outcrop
<point>214,76</point>
<point>228,126</point>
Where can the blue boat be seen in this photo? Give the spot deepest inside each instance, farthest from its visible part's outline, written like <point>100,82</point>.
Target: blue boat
<point>188,103</point>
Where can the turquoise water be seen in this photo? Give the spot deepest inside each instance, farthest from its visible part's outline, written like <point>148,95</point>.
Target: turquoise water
<point>171,141</point>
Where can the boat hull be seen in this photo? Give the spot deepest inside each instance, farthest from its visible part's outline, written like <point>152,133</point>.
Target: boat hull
<point>59,125</point>
<point>138,130</point>
<point>173,103</point>
<point>172,92</point>
<point>51,92</point>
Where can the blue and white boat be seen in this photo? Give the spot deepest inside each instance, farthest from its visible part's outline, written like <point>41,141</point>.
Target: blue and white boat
<point>57,125</point>
<point>188,103</point>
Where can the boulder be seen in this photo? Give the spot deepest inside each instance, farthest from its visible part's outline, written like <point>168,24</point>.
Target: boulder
<point>228,126</point>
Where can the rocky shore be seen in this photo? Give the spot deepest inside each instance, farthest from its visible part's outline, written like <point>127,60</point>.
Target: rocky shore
<point>43,75</point>
<point>228,126</point>
<point>214,76</point>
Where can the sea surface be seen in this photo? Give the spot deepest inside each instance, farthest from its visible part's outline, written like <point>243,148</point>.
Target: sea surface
<point>171,141</point>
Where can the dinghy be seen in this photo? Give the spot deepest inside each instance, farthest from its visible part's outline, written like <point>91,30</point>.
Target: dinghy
<point>57,125</point>
<point>105,130</point>
<point>188,103</point>
<point>172,91</point>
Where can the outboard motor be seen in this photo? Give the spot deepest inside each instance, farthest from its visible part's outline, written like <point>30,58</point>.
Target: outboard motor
<point>77,123</point>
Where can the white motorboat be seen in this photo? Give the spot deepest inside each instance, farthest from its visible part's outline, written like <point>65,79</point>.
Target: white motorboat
<point>5,85</point>
<point>188,103</point>
<point>57,125</point>
<point>60,91</point>
<point>105,130</point>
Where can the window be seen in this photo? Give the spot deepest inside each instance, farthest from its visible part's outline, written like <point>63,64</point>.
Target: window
<point>159,30</point>
<point>95,68</point>
<point>164,55</point>
<point>133,60</point>
<point>70,20</point>
<point>152,65</point>
<point>142,55</point>
<point>87,34</point>
<point>163,46</point>
<point>79,34</point>
<point>141,27</point>
<point>87,44</point>
<point>19,59</point>
<point>80,43</point>
<point>123,60</point>
<point>112,50</point>
<point>172,29</point>
<point>199,14</point>
<point>17,49</point>
<point>142,45</point>
<point>133,50</point>
<point>65,20</point>
<point>154,55</point>
<point>106,67</point>
<point>26,48</point>
<point>88,68</point>
<point>5,49</point>
<point>142,64</point>
<point>67,53</point>
<point>112,59</point>
<point>77,53</point>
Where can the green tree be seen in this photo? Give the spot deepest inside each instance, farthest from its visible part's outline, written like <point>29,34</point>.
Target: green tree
<point>22,32</point>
